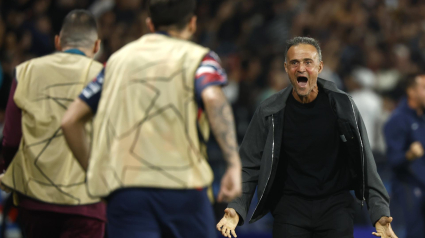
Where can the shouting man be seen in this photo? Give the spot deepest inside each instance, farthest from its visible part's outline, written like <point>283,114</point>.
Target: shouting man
<point>305,149</point>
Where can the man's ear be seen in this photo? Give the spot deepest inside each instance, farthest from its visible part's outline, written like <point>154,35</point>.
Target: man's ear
<point>193,24</point>
<point>150,24</point>
<point>285,65</point>
<point>320,67</point>
<point>96,47</point>
<point>58,46</point>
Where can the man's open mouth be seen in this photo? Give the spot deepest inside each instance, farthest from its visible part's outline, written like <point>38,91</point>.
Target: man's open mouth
<point>302,81</point>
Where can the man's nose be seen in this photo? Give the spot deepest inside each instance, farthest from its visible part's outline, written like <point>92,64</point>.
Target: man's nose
<point>301,67</point>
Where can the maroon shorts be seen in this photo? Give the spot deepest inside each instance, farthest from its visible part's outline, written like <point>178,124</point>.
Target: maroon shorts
<point>44,224</point>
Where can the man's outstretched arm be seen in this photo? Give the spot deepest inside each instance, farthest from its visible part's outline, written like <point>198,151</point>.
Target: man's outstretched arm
<point>220,117</point>
<point>251,151</point>
<point>376,195</point>
<point>73,127</point>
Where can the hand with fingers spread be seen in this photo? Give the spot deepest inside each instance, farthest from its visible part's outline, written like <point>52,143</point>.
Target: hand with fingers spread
<point>383,228</point>
<point>2,187</point>
<point>228,223</point>
<point>231,184</point>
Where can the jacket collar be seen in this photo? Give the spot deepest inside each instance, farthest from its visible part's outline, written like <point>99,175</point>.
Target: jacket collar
<point>162,33</point>
<point>277,102</point>
<point>75,51</point>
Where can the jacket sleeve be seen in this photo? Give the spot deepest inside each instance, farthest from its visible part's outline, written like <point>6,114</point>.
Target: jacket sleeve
<point>376,195</point>
<point>395,138</point>
<point>251,151</point>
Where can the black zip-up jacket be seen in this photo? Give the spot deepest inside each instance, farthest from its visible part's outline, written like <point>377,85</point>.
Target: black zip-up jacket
<point>260,151</point>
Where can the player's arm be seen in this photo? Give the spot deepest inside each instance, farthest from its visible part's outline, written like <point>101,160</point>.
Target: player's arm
<point>78,114</point>
<point>220,116</point>
<point>73,127</point>
<point>209,79</point>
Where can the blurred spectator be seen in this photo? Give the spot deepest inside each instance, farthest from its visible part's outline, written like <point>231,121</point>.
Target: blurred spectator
<point>99,7</point>
<point>405,137</point>
<point>359,85</point>
<point>384,36</point>
<point>277,79</point>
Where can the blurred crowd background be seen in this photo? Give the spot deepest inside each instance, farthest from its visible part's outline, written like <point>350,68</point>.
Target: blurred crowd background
<point>368,47</point>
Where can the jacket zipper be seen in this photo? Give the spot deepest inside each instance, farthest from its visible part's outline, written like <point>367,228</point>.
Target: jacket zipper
<point>362,156</point>
<point>361,145</point>
<point>268,178</point>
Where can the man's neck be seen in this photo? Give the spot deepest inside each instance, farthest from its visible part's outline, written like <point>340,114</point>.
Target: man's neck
<point>415,106</point>
<point>183,35</point>
<point>85,51</point>
<point>306,99</point>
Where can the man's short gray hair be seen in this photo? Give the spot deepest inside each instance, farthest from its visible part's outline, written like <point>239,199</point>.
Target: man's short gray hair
<point>79,29</point>
<point>303,40</point>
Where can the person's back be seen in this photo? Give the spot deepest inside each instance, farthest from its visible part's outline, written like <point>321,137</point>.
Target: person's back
<point>369,105</point>
<point>152,118</point>
<point>47,180</point>
<point>367,101</point>
<point>148,155</point>
<point>45,87</point>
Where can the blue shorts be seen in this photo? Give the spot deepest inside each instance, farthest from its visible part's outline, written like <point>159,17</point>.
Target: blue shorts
<point>160,213</point>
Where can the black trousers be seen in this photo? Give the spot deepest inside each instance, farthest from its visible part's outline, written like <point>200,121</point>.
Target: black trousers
<point>330,217</point>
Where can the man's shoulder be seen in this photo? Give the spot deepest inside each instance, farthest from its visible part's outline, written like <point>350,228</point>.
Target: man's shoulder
<point>273,98</point>
<point>398,118</point>
<point>275,102</point>
<point>60,58</point>
<point>182,42</point>
<point>161,38</point>
<point>398,115</point>
<point>37,62</point>
<point>57,56</point>
<point>130,48</point>
<point>96,65</point>
<point>124,51</point>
